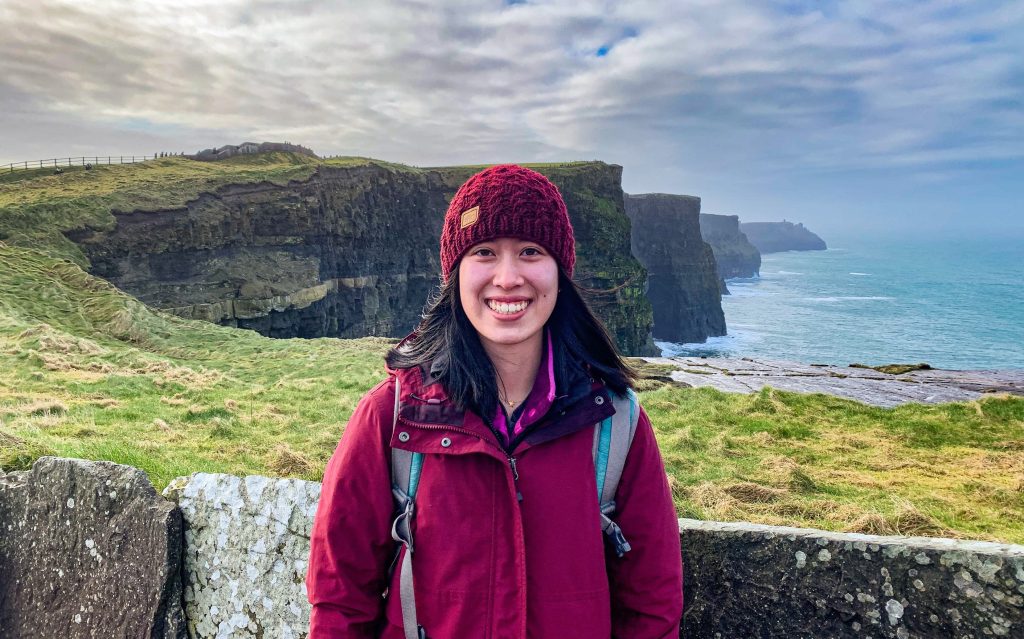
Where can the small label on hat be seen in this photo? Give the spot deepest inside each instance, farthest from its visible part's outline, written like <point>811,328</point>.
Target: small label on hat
<point>470,217</point>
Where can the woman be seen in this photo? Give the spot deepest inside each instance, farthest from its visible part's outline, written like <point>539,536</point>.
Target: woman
<point>499,389</point>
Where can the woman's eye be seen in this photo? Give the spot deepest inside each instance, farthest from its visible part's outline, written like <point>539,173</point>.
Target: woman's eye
<point>532,251</point>
<point>484,252</point>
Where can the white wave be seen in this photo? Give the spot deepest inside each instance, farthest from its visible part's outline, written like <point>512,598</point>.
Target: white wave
<point>789,273</point>
<point>855,273</point>
<point>844,298</point>
<point>721,346</point>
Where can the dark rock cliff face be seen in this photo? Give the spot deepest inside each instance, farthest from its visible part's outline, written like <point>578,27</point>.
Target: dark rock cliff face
<point>734,254</point>
<point>351,252</point>
<point>773,237</point>
<point>683,282</point>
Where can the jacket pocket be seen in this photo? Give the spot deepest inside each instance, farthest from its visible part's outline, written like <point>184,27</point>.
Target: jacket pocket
<point>445,614</point>
<point>571,615</point>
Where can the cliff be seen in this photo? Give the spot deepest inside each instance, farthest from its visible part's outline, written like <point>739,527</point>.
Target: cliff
<point>734,254</point>
<point>683,282</point>
<point>347,250</point>
<point>774,237</point>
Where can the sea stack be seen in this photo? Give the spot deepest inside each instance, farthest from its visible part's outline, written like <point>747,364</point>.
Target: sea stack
<point>734,254</point>
<point>683,282</point>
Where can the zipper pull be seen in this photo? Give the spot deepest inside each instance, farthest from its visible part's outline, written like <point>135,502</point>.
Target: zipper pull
<point>515,476</point>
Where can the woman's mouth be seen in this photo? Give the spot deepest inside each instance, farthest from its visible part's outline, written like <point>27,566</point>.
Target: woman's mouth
<point>507,308</point>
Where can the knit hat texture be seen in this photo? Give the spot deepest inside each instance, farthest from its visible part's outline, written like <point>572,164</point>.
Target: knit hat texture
<point>507,201</point>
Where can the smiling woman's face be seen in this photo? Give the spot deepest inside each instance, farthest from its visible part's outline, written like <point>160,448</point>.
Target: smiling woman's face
<point>508,288</point>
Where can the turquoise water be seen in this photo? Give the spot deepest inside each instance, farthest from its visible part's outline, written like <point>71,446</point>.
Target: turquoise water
<point>953,302</point>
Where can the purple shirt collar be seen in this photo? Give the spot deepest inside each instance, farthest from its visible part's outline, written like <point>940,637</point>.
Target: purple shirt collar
<point>541,396</point>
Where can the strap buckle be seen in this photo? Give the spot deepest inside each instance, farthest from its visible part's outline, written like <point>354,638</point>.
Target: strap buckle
<point>401,529</point>
<point>613,532</point>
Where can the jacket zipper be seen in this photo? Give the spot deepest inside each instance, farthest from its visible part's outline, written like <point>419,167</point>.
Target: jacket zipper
<point>508,456</point>
<point>515,476</point>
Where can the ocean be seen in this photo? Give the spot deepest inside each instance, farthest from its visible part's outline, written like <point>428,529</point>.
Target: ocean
<point>952,302</point>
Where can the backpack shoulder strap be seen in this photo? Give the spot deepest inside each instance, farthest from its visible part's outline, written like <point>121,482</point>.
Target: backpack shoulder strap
<point>405,477</point>
<point>612,439</point>
<point>405,464</point>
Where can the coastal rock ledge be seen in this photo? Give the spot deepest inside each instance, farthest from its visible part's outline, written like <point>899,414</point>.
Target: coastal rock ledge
<point>867,385</point>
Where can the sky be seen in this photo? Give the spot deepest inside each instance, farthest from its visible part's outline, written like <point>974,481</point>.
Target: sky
<point>856,116</point>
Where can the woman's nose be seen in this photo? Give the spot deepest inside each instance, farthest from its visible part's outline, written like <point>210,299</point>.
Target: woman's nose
<point>507,273</point>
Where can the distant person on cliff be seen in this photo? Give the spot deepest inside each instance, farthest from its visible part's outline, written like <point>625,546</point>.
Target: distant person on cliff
<point>486,472</point>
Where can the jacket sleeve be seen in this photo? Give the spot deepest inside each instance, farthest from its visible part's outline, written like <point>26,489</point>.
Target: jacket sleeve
<point>646,583</point>
<point>351,544</point>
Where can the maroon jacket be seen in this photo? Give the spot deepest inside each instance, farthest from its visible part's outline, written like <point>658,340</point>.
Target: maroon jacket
<point>488,565</point>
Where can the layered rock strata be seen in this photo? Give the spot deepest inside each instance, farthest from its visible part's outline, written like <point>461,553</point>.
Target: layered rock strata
<point>88,549</point>
<point>775,237</point>
<point>734,254</point>
<point>351,252</point>
<point>683,281</point>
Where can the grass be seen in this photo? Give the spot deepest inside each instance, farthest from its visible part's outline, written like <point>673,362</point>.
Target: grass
<point>37,207</point>
<point>774,457</point>
<point>92,373</point>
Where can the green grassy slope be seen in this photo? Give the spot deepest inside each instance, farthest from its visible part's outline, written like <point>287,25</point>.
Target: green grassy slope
<point>86,371</point>
<point>90,372</point>
<point>36,206</point>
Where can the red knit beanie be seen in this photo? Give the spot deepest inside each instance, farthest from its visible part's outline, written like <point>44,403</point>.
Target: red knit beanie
<point>507,201</point>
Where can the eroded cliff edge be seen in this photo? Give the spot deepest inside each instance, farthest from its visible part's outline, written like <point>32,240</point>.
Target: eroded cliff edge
<point>774,237</point>
<point>683,281</point>
<point>734,254</point>
<point>349,252</point>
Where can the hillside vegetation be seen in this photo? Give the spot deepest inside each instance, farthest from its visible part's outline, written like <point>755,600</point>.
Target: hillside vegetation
<point>37,206</point>
<point>90,372</point>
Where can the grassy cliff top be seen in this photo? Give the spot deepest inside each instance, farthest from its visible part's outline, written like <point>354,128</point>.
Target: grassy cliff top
<point>90,372</point>
<point>37,206</point>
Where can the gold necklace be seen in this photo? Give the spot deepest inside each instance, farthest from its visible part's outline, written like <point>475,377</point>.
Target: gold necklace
<point>511,403</point>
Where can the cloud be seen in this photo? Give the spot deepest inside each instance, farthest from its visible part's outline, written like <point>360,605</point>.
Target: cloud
<point>758,89</point>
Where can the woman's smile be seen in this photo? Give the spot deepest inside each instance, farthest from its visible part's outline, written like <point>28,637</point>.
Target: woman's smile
<point>507,309</point>
<point>508,289</point>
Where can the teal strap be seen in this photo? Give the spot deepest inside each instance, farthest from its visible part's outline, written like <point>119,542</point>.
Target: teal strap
<point>601,460</point>
<point>414,474</point>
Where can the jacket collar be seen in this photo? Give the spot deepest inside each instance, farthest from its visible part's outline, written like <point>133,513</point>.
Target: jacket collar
<point>579,403</point>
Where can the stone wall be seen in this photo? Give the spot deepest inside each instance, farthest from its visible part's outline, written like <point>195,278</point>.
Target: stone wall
<point>88,550</point>
<point>246,542</point>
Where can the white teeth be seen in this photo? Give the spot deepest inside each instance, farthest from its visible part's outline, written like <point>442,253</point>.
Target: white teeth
<point>506,308</point>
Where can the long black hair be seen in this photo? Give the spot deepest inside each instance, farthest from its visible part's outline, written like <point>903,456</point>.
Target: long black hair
<point>446,339</point>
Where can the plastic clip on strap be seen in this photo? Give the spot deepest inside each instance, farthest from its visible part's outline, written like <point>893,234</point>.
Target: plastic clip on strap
<point>612,439</point>
<point>614,533</point>
<point>405,475</point>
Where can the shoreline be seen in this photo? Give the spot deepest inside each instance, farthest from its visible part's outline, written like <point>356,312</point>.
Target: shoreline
<point>931,386</point>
